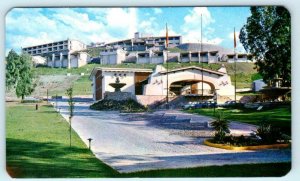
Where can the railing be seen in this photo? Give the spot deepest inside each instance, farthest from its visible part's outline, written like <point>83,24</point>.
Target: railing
<point>197,91</point>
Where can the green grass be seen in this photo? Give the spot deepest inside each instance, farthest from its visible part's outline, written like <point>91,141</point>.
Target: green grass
<point>37,145</point>
<point>82,86</point>
<point>87,69</point>
<point>245,72</point>
<point>278,117</point>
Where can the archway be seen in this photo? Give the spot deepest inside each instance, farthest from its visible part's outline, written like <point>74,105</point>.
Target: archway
<point>192,87</point>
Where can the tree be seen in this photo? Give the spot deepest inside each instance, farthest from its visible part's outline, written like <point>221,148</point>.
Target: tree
<point>221,127</point>
<point>12,71</point>
<point>267,36</point>
<point>71,103</point>
<point>25,85</point>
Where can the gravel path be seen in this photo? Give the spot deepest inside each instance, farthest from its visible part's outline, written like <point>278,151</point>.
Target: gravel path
<point>133,142</point>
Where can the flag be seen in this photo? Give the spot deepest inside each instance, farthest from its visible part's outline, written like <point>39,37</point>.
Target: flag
<point>167,37</point>
<point>234,39</point>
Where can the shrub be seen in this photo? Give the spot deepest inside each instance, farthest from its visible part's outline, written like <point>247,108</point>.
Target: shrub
<point>221,127</point>
<point>32,101</point>
<point>267,132</point>
<point>129,105</point>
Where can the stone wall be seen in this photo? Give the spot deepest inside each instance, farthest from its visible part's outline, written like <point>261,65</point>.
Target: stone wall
<point>119,96</point>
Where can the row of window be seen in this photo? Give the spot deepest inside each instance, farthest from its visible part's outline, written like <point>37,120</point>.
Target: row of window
<point>47,45</point>
<point>37,51</point>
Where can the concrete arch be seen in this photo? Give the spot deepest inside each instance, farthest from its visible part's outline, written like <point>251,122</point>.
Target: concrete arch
<point>195,75</point>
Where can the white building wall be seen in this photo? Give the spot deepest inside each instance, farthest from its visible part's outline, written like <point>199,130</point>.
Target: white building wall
<point>157,59</point>
<point>143,60</point>
<point>157,84</point>
<point>257,85</point>
<point>112,58</point>
<point>73,61</point>
<point>82,59</point>
<point>109,77</point>
<point>76,45</point>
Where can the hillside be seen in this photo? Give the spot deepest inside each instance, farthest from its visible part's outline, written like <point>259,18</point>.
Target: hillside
<point>57,81</point>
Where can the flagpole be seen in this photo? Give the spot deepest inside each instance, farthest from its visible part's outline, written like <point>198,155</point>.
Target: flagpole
<point>234,47</point>
<point>167,41</point>
<point>201,59</point>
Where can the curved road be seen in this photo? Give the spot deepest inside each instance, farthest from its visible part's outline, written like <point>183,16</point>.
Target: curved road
<point>130,145</point>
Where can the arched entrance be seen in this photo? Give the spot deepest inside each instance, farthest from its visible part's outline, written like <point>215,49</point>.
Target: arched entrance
<point>192,87</point>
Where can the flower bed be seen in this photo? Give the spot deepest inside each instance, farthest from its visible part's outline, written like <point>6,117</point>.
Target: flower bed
<point>209,142</point>
<point>129,105</point>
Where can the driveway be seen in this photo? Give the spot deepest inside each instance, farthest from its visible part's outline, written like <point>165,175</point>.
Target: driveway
<point>134,142</point>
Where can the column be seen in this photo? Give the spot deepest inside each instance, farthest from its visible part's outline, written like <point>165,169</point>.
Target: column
<point>53,59</point>
<point>208,57</point>
<point>150,56</point>
<point>190,56</point>
<point>69,60</point>
<point>199,57</point>
<point>61,60</point>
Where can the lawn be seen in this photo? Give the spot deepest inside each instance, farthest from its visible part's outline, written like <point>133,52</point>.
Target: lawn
<point>37,145</point>
<point>278,117</point>
<point>82,86</point>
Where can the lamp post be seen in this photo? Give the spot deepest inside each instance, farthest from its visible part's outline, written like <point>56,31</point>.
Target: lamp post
<point>70,129</point>
<point>90,140</point>
<point>215,101</point>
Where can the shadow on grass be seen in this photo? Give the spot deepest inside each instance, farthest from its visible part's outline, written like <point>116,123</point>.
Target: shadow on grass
<point>44,160</point>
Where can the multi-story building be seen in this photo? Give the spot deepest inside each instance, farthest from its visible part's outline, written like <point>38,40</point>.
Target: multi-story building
<point>139,43</point>
<point>66,53</point>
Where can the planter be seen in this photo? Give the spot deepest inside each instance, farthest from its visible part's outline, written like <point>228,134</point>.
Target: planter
<point>257,147</point>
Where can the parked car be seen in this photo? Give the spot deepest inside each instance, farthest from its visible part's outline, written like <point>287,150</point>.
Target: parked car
<point>228,103</point>
<point>209,104</point>
<point>190,105</point>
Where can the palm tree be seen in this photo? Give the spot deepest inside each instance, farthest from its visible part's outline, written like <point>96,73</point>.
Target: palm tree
<point>221,127</point>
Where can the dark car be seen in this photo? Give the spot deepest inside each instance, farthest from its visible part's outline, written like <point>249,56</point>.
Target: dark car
<point>206,104</point>
<point>228,103</point>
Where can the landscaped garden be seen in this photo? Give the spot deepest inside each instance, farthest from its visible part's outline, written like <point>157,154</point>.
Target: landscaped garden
<point>279,117</point>
<point>129,105</point>
<point>38,146</point>
<point>274,128</point>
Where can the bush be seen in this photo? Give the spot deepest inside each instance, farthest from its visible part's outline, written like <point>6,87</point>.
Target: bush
<point>221,127</point>
<point>129,105</point>
<point>268,133</point>
<point>31,101</point>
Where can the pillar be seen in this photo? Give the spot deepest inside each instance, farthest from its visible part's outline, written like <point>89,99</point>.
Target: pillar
<point>199,57</point>
<point>69,60</point>
<point>150,56</point>
<point>53,59</point>
<point>61,60</point>
<point>190,56</point>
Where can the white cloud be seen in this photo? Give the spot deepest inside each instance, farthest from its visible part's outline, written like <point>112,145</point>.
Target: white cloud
<point>19,41</point>
<point>77,21</point>
<point>157,10</point>
<point>193,19</point>
<point>122,20</point>
<point>192,27</point>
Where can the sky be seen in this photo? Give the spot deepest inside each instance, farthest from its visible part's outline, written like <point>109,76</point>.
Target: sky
<point>34,26</point>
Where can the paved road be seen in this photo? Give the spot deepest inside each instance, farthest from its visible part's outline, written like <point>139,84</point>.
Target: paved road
<point>134,144</point>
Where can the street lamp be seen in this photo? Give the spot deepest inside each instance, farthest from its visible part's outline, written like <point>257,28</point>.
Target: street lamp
<point>215,101</point>
<point>70,121</point>
<point>90,140</point>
